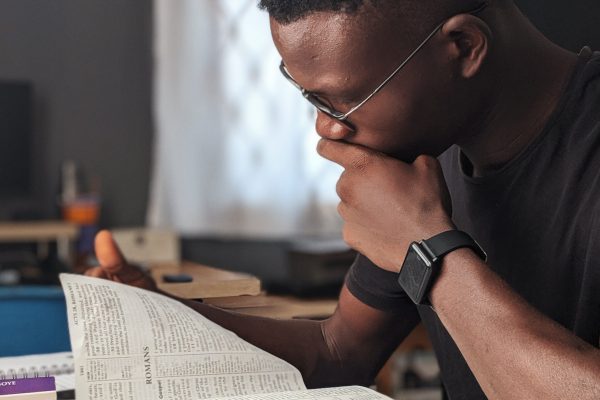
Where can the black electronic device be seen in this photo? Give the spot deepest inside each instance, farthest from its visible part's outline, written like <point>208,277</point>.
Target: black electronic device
<point>424,259</point>
<point>16,148</point>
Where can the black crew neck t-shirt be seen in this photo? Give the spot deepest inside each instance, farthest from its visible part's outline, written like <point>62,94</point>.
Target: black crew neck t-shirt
<point>538,219</point>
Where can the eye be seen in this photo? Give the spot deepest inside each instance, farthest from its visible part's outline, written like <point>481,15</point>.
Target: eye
<point>339,103</point>
<point>347,102</point>
<point>323,100</point>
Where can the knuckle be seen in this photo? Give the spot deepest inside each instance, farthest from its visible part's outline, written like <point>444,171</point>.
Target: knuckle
<point>321,146</point>
<point>347,235</point>
<point>342,210</point>
<point>426,161</point>
<point>362,161</point>
<point>350,237</point>
<point>347,194</point>
<point>344,187</point>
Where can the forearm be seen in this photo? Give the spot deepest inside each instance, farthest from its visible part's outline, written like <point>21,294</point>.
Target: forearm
<point>349,348</point>
<point>299,342</point>
<point>302,343</point>
<point>513,350</point>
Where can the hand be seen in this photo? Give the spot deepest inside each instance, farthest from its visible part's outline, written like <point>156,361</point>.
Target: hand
<point>114,267</point>
<point>385,203</point>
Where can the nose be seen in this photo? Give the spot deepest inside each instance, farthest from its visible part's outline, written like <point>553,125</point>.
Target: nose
<point>330,128</point>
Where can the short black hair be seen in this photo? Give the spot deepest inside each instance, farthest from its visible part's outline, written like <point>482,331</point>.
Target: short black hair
<point>286,11</point>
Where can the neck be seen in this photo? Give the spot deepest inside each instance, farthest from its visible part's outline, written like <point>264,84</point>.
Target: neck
<point>530,73</point>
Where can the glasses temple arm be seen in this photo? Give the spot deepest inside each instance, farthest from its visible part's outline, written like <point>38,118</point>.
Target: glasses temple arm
<point>389,78</point>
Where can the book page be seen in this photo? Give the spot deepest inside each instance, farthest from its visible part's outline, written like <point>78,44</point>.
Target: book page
<point>130,343</point>
<point>339,393</point>
<point>58,365</point>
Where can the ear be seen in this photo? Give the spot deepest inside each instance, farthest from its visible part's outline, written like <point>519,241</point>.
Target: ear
<point>468,39</point>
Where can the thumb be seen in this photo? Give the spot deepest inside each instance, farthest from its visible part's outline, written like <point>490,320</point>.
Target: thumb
<point>109,256</point>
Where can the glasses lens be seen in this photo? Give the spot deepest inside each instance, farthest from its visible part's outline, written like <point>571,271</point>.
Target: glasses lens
<point>320,104</point>
<point>315,101</point>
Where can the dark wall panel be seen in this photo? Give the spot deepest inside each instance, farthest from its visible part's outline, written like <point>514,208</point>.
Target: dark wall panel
<point>90,63</point>
<point>571,24</point>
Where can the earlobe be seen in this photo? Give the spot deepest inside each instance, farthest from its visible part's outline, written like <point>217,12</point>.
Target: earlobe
<point>470,38</point>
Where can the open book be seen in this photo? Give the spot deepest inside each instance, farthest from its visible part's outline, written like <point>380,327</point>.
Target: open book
<point>130,344</point>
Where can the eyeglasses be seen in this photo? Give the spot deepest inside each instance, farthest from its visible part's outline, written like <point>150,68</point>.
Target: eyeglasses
<point>343,116</point>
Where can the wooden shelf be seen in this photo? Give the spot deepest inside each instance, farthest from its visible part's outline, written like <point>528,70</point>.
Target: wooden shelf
<point>42,233</point>
<point>15,232</point>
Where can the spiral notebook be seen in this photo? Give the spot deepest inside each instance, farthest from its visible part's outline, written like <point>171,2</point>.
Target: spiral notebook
<point>58,365</point>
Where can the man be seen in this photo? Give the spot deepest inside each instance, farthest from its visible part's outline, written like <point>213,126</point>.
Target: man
<point>397,84</point>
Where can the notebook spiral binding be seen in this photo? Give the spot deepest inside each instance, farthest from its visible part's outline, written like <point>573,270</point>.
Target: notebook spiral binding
<point>34,372</point>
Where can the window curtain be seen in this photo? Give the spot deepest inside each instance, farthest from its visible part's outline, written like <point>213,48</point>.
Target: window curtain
<point>235,143</point>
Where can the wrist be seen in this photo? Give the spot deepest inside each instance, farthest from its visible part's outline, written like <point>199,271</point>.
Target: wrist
<point>424,260</point>
<point>455,267</point>
<point>441,225</point>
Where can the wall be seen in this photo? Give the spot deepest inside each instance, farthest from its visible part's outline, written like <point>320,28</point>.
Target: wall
<point>571,24</point>
<point>90,61</point>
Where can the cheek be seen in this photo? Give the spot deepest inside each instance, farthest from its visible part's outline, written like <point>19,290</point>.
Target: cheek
<point>412,118</point>
<point>395,125</point>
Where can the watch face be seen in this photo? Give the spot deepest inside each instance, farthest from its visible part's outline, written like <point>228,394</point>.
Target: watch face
<point>414,276</point>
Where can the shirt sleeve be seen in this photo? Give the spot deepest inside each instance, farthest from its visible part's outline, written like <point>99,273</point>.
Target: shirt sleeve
<point>377,287</point>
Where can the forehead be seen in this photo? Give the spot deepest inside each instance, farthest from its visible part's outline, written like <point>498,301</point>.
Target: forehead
<point>332,50</point>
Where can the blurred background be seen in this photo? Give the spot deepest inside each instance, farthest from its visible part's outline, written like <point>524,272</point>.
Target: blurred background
<point>173,114</point>
<point>169,120</point>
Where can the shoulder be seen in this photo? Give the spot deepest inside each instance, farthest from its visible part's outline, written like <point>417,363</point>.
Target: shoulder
<point>585,96</point>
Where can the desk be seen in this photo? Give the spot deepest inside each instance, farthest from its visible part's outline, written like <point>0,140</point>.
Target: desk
<point>42,233</point>
<point>207,282</point>
<point>238,292</point>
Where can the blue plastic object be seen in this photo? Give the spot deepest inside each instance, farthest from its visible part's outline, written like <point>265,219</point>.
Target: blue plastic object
<point>33,320</point>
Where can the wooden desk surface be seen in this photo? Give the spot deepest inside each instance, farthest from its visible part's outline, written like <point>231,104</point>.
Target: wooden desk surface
<point>207,282</point>
<point>37,231</point>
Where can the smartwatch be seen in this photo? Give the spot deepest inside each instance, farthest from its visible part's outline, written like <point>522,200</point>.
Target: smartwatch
<point>424,260</point>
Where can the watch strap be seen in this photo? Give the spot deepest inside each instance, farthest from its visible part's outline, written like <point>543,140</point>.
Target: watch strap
<point>446,242</point>
<point>424,259</point>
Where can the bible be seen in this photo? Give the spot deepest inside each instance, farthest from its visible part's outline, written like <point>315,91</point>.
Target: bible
<point>129,343</point>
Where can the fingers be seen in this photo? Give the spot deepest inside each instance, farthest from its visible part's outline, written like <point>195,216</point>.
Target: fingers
<point>427,162</point>
<point>109,256</point>
<point>345,154</point>
<point>96,272</point>
<point>113,264</point>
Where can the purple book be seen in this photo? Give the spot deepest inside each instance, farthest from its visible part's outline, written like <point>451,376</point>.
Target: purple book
<point>26,385</point>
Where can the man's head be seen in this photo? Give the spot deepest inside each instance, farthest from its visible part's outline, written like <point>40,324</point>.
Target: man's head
<point>343,49</point>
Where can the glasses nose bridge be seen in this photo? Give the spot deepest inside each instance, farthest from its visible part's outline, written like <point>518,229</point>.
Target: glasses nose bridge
<point>305,93</point>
